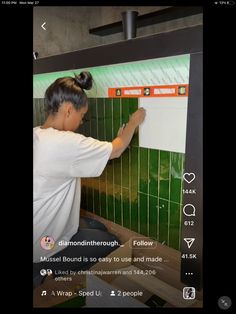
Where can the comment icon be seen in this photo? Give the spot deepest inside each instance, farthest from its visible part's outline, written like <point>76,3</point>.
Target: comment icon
<point>189,210</point>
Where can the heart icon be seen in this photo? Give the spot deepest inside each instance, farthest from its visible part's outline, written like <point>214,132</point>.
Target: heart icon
<point>189,177</point>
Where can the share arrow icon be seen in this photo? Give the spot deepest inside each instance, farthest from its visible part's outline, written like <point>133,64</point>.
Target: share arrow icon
<point>189,241</point>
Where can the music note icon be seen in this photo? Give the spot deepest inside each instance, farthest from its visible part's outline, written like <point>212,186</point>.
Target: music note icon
<point>44,292</point>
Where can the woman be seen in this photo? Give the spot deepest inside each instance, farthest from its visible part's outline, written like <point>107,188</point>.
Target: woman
<point>61,158</point>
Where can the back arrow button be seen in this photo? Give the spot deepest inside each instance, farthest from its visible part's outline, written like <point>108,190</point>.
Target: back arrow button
<point>43,26</point>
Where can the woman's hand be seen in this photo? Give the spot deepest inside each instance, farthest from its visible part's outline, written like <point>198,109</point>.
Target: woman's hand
<point>138,116</point>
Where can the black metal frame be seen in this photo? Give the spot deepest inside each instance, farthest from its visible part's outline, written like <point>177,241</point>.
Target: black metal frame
<point>183,41</point>
<point>152,18</point>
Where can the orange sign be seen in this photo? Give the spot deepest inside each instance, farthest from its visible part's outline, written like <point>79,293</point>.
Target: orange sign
<point>149,91</point>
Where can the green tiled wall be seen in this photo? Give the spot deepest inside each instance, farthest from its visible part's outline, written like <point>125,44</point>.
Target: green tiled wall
<point>141,190</point>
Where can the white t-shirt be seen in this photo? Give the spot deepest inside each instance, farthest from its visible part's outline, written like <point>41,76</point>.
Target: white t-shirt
<point>61,158</point>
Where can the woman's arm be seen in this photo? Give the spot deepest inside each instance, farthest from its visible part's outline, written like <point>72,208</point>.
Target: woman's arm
<point>121,142</point>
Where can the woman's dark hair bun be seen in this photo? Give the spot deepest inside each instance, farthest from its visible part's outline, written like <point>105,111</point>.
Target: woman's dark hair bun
<point>84,80</point>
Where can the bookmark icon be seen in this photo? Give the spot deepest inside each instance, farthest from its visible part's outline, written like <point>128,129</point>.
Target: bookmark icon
<point>189,242</point>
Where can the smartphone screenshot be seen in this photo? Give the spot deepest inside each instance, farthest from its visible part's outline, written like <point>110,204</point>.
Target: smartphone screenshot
<point>118,157</point>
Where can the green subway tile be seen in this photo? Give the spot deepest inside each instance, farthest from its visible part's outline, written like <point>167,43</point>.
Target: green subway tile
<point>96,197</point>
<point>153,172</point>
<point>87,118</point>
<point>116,126</point>
<point>101,131</point>
<point>163,221</point>
<point>153,211</point>
<point>92,107</point>
<point>126,210</point>
<point>101,117</point>
<point>143,166</point>
<point>93,121</point>
<point>118,208</point>
<point>125,109</point>
<point>102,193</point>
<point>143,212</point>
<point>102,182</point>
<point>117,171</point>
<point>174,226</point>
<point>103,205</point>
<point>116,108</point>
<point>164,174</point>
<point>116,115</point>
<point>96,202</point>
<point>133,106</point>
<point>125,169</point>
<point>109,172</point>
<point>176,177</point>
<point>134,168</point>
<point>110,192</point>
<point>108,120</point>
<point>90,199</point>
<point>175,212</point>
<point>110,200</point>
<point>109,188</point>
<point>134,210</point>
<point>118,204</point>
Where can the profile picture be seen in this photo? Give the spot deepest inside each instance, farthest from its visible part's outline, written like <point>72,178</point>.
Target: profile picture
<point>47,242</point>
<point>189,293</point>
<point>49,272</point>
<point>43,272</point>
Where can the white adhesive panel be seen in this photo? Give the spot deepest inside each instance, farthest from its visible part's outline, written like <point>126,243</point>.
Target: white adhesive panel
<point>165,124</point>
